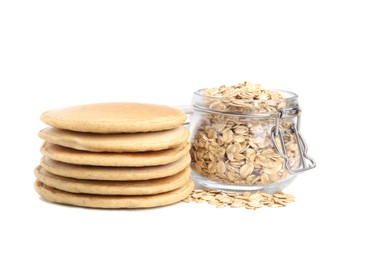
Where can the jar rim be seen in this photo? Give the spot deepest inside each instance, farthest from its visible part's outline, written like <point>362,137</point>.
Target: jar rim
<point>287,96</point>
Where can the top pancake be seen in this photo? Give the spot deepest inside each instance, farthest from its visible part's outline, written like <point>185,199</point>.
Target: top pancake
<point>115,118</point>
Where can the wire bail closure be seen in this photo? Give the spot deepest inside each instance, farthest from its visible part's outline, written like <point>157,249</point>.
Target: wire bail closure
<point>302,146</point>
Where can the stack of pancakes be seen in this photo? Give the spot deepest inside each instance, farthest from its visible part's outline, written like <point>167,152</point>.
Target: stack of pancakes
<point>114,155</point>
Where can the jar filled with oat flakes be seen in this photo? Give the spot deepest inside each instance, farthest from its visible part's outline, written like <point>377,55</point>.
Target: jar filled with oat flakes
<point>246,138</point>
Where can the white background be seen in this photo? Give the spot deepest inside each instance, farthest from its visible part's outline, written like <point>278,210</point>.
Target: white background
<point>334,54</point>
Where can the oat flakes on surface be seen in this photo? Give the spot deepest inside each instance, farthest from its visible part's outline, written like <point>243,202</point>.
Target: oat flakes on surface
<point>240,200</point>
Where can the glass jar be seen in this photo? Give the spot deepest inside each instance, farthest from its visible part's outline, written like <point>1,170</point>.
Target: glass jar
<point>247,145</point>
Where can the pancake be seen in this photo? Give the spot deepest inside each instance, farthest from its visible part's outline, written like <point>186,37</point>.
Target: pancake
<point>114,173</point>
<point>138,159</point>
<point>134,142</point>
<point>148,187</point>
<point>113,201</point>
<point>115,118</point>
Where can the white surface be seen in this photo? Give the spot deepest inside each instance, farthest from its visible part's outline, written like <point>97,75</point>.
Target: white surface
<point>334,54</point>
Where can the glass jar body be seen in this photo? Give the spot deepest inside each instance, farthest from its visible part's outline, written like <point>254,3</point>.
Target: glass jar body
<point>234,150</point>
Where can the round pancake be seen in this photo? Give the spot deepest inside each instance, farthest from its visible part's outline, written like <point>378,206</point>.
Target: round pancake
<point>115,118</point>
<point>114,173</point>
<point>113,201</point>
<point>149,187</point>
<point>133,142</point>
<point>139,159</point>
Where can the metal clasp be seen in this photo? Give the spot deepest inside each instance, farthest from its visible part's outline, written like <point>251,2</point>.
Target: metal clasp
<point>302,146</point>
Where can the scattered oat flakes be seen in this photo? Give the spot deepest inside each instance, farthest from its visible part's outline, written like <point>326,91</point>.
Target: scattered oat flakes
<point>237,200</point>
